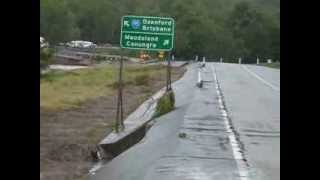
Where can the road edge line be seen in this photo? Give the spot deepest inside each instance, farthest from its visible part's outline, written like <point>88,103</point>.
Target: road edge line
<point>235,143</point>
<point>261,79</point>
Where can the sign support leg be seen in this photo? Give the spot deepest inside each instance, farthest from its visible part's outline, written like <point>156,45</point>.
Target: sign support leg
<point>119,116</point>
<point>169,73</point>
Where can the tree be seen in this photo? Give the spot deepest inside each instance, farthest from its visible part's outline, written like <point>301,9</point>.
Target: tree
<point>255,30</point>
<point>214,28</point>
<point>57,22</point>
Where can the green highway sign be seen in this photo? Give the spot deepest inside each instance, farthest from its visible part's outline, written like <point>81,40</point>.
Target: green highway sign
<point>147,33</point>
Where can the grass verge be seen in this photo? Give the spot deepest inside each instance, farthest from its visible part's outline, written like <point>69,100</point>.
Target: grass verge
<point>68,136</point>
<point>61,90</point>
<point>275,65</point>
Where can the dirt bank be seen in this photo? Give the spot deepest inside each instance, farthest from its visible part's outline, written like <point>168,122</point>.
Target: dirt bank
<point>67,136</point>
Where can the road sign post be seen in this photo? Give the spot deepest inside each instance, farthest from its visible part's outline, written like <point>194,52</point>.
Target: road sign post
<point>119,116</point>
<point>144,33</point>
<point>148,33</point>
<point>169,74</point>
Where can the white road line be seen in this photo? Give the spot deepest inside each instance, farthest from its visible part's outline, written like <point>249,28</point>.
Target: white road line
<point>261,79</point>
<point>236,150</point>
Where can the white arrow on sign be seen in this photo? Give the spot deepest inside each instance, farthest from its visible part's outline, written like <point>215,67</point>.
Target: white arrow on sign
<point>166,42</point>
<point>126,23</point>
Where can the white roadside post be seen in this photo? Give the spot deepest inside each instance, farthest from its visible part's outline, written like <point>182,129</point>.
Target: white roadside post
<point>196,58</point>
<point>221,60</point>
<point>269,61</point>
<point>199,83</point>
<point>258,61</point>
<point>203,62</point>
<point>239,60</point>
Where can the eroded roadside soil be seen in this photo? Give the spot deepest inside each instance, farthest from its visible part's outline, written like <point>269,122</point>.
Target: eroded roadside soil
<point>67,137</point>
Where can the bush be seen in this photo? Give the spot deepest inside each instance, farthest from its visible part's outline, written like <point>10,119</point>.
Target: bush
<point>172,98</point>
<point>100,58</point>
<point>142,79</point>
<point>165,104</point>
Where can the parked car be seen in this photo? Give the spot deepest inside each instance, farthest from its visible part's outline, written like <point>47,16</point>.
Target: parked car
<point>81,44</point>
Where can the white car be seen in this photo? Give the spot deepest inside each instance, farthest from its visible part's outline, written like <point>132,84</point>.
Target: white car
<point>43,43</point>
<point>81,44</point>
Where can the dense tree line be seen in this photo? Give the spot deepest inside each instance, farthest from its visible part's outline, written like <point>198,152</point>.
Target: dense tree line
<point>213,28</point>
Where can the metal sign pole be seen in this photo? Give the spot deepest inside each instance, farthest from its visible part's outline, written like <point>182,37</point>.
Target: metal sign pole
<point>167,85</point>
<point>121,95</point>
<point>119,116</point>
<point>169,72</point>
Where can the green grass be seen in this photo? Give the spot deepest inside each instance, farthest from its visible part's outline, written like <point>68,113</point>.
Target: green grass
<point>142,79</point>
<point>60,89</point>
<point>165,104</point>
<point>275,65</point>
<point>95,134</point>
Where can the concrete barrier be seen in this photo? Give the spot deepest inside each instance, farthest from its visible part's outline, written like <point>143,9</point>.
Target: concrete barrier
<point>135,128</point>
<point>117,147</point>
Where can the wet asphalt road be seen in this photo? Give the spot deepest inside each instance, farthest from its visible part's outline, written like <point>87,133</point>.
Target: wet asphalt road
<point>206,152</point>
<point>252,95</point>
